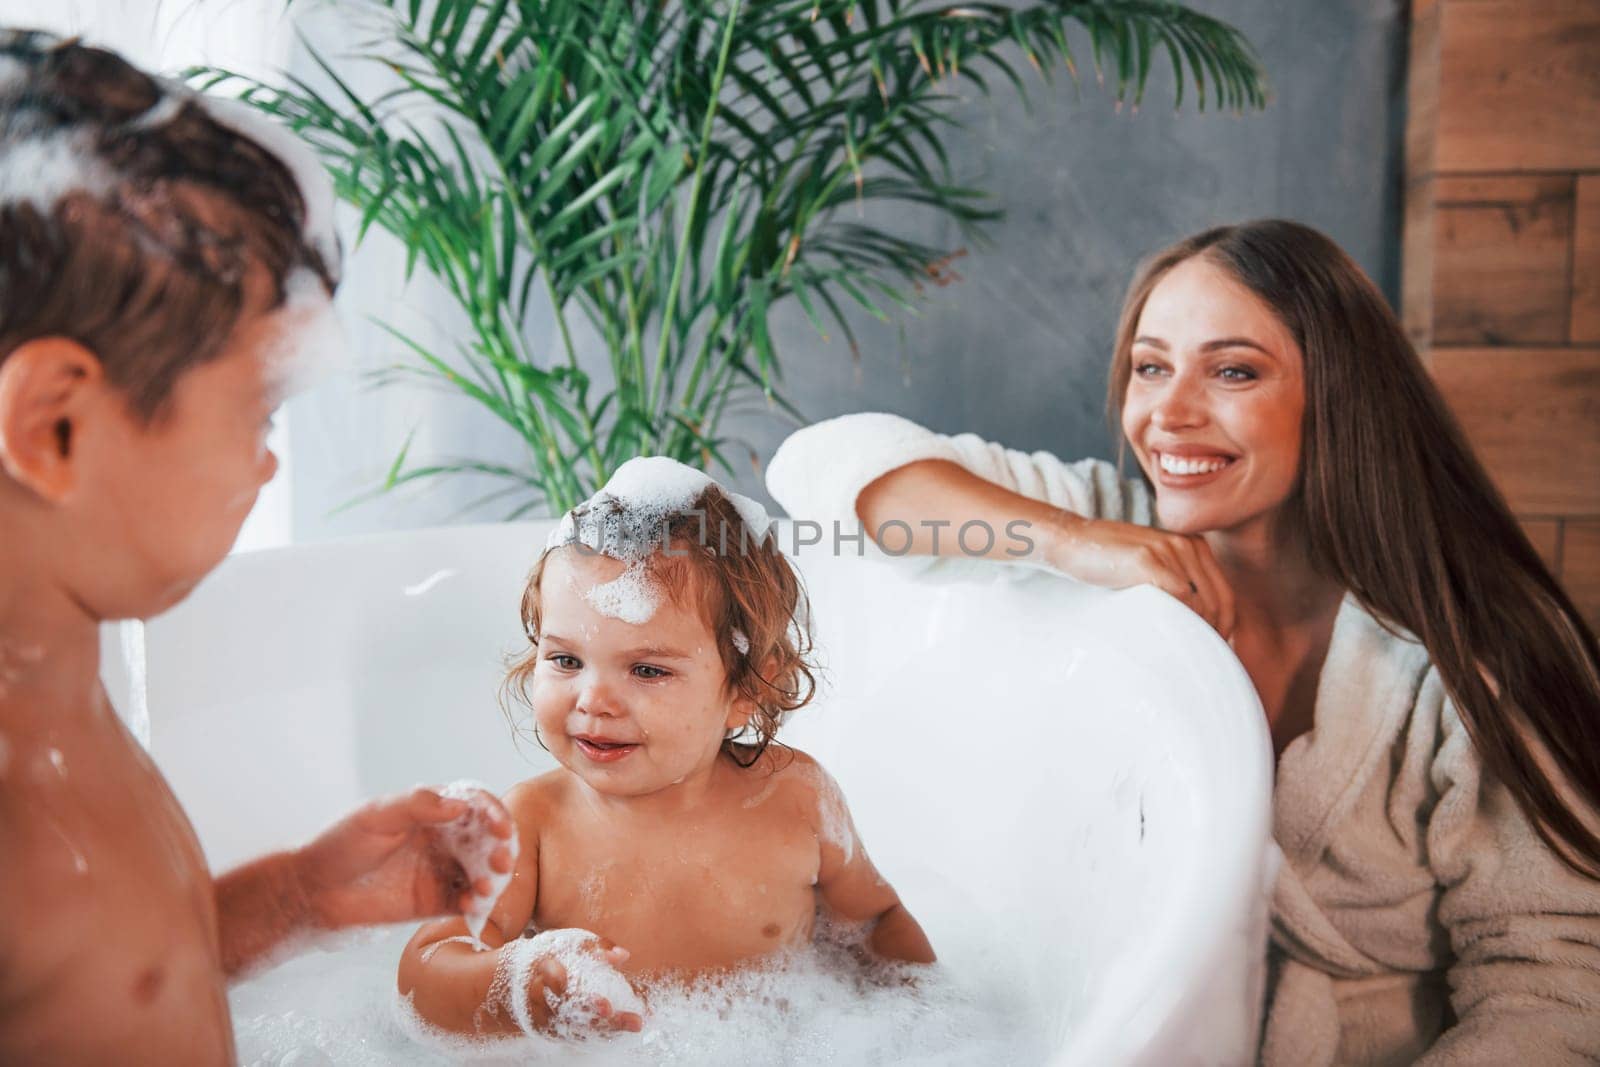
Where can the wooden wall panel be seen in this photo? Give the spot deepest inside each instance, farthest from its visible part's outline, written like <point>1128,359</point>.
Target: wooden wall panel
<point>1586,261</point>
<point>1501,282</point>
<point>1534,418</point>
<point>1546,537</point>
<point>1519,88</point>
<point>1580,569</point>
<point>1502,260</point>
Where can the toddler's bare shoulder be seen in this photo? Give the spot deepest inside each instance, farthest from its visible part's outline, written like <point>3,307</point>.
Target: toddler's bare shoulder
<point>794,775</point>
<point>532,803</point>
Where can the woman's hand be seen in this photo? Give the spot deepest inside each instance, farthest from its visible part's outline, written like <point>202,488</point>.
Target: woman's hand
<point>1116,555</point>
<point>385,862</point>
<point>551,1008</point>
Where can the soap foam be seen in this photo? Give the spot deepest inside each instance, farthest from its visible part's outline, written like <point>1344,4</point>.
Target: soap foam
<point>625,521</point>
<point>817,1006</point>
<point>833,814</point>
<point>44,169</point>
<point>471,841</point>
<point>573,1015</point>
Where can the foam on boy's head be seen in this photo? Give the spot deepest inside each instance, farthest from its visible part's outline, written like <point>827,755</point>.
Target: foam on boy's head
<point>112,180</point>
<point>628,520</point>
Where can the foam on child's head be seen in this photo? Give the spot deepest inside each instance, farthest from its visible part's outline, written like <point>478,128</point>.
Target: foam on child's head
<point>45,159</point>
<point>626,521</point>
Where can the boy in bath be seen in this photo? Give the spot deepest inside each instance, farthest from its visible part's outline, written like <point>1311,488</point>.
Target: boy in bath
<point>160,261</point>
<point>665,630</point>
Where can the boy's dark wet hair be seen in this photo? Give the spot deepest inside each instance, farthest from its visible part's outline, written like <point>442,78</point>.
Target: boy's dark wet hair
<point>146,270</point>
<point>746,590</point>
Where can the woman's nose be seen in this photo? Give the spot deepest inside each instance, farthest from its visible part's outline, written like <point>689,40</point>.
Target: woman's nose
<point>1181,406</point>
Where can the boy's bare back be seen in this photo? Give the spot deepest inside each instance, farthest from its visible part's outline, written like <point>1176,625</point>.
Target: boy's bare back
<point>110,949</point>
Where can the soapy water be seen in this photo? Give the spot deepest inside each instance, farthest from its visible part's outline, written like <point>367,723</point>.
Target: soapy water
<point>470,840</point>
<point>814,1007</point>
<point>625,520</point>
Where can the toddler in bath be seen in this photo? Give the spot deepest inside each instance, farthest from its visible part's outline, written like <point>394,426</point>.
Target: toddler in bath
<point>665,647</point>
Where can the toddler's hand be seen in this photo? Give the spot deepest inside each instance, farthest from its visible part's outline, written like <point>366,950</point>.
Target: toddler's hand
<point>386,862</point>
<point>563,1011</point>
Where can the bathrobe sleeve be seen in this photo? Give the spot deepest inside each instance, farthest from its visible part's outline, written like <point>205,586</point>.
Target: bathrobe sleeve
<point>1524,928</point>
<point>820,470</point>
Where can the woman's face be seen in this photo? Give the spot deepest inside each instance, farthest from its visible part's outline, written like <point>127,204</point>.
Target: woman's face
<point>1214,401</point>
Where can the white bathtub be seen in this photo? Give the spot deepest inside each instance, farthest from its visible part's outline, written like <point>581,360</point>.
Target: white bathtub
<point>1086,774</point>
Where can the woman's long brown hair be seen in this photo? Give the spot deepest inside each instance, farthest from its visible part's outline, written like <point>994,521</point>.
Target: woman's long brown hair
<point>1392,503</point>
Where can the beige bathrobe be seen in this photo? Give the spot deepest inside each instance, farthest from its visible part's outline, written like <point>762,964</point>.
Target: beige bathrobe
<point>1417,917</point>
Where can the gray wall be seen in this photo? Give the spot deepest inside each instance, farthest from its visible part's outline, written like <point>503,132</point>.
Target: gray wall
<point>1017,351</point>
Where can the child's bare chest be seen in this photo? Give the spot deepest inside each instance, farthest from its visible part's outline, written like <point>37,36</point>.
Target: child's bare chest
<point>692,898</point>
<point>109,900</point>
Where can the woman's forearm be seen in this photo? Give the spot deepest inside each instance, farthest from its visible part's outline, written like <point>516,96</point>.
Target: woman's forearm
<point>938,508</point>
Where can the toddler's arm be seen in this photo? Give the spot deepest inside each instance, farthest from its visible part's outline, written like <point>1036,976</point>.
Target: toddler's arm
<point>457,987</point>
<point>851,886</point>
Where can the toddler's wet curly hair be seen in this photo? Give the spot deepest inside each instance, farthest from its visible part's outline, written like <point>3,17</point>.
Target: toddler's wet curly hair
<point>744,587</point>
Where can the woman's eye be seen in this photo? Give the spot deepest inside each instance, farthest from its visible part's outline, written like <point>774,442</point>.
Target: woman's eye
<point>1146,370</point>
<point>1238,374</point>
<point>565,662</point>
<point>649,673</point>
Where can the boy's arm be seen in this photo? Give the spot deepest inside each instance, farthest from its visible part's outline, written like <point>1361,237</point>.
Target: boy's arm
<point>851,886</point>
<point>381,864</point>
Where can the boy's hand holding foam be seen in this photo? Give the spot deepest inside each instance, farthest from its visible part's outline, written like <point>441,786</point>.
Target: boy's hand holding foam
<point>395,859</point>
<point>407,857</point>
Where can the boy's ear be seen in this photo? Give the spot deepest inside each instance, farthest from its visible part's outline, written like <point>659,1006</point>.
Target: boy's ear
<point>45,387</point>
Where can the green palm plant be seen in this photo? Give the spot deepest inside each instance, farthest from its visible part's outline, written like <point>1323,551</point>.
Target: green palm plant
<point>674,172</point>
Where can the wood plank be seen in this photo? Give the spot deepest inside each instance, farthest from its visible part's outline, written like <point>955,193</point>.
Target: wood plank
<point>1534,418</point>
<point>1580,572</point>
<point>1546,537</point>
<point>1502,258</point>
<point>1422,89</point>
<point>1519,85</point>
<point>1422,96</point>
<point>1586,261</point>
<point>1417,264</point>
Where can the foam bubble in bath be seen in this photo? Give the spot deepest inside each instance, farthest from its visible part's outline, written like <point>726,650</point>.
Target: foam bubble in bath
<point>814,1006</point>
<point>625,520</point>
<point>589,978</point>
<point>472,842</point>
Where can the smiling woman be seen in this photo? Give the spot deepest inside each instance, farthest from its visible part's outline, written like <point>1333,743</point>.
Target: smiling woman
<point>1434,697</point>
